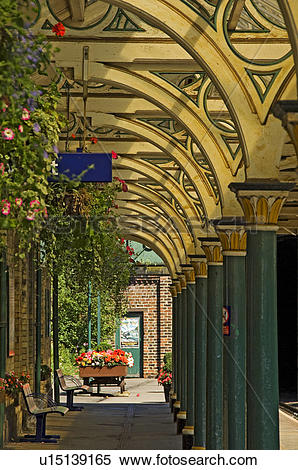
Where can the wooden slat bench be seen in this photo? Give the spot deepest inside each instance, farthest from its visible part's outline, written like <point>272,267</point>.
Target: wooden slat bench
<point>70,384</point>
<point>40,405</point>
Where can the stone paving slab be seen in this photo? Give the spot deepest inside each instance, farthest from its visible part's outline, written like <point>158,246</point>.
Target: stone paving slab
<point>140,421</point>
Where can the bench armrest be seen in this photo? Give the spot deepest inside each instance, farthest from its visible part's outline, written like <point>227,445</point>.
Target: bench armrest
<point>73,380</point>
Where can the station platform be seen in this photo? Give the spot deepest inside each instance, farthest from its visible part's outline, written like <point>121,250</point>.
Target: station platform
<point>140,421</point>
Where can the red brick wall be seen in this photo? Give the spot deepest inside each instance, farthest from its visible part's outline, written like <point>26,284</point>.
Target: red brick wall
<point>142,297</point>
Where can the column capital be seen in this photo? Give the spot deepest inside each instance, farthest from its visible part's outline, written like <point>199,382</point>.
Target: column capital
<point>212,250</point>
<point>182,280</point>
<point>199,264</point>
<point>189,273</point>
<point>287,112</point>
<point>261,201</point>
<point>173,290</point>
<point>232,235</point>
<point>177,284</point>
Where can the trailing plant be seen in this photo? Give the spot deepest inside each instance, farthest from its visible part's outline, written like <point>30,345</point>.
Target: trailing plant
<point>82,234</point>
<point>45,372</point>
<point>29,126</point>
<point>168,362</point>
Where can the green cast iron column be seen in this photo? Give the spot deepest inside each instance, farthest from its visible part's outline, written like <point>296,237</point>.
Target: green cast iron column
<point>181,417</point>
<point>261,202</point>
<point>38,330</point>
<point>174,340</point>
<point>177,403</point>
<point>98,318</point>
<point>3,336</point>
<point>262,359</point>
<point>234,350</point>
<point>232,235</point>
<point>89,317</point>
<point>55,334</point>
<point>200,266</point>
<point>188,431</point>
<point>214,423</point>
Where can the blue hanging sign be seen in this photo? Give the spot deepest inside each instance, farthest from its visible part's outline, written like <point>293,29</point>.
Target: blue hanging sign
<point>98,166</point>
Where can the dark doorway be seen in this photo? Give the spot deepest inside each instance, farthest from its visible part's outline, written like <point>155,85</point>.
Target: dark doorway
<point>287,250</point>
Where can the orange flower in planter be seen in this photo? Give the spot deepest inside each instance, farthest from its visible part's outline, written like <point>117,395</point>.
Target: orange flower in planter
<point>109,358</point>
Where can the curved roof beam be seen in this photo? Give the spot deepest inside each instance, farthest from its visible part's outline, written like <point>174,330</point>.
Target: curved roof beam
<point>173,101</point>
<point>171,186</point>
<point>148,214</point>
<point>170,147</point>
<point>290,13</point>
<point>207,44</point>
<point>149,227</point>
<point>168,209</point>
<point>155,245</point>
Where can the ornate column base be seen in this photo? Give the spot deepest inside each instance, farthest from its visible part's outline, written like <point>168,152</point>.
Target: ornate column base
<point>181,421</point>
<point>176,409</point>
<point>173,398</point>
<point>188,437</point>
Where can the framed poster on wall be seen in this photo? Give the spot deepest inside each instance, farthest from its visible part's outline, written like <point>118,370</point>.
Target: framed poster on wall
<point>130,332</point>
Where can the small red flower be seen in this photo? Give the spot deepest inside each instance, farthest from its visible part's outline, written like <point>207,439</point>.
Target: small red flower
<point>114,155</point>
<point>73,136</point>
<point>94,140</point>
<point>58,29</point>
<point>122,241</point>
<point>124,185</point>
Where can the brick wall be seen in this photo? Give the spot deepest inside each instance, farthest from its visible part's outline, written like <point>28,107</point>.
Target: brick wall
<point>22,323</point>
<point>157,318</point>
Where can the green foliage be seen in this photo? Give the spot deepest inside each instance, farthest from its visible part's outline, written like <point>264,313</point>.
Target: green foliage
<point>87,245</point>
<point>103,346</point>
<point>66,361</point>
<point>72,223</point>
<point>29,125</point>
<point>45,372</point>
<point>168,367</point>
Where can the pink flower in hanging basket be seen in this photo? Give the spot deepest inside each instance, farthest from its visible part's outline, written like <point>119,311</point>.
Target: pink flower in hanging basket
<point>26,114</point>
<point>18,201</point>
<point>6,207</point>
<point>7,134</point>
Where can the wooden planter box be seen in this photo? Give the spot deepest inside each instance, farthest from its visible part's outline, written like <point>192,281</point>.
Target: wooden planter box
<point>104,376</point>
<point>90,371</point>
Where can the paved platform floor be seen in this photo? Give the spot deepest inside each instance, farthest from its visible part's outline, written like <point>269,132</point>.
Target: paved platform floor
<point>141,421</point>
